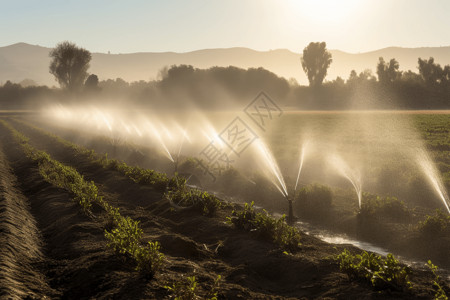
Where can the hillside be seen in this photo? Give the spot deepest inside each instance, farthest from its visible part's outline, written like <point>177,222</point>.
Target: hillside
<point>21,60</point>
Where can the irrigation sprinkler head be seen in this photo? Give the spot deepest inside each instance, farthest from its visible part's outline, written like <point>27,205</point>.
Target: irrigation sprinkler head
<point>291,218</point>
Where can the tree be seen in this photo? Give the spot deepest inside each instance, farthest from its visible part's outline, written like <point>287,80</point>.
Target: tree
<point>315,61</point>
<point>69,65</point>
<point>431,73</point>
<point>388,72</point>
<point>91,82</point>
<point>364,77</point>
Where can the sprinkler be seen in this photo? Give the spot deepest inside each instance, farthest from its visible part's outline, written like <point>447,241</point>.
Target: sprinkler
<point>290,218</point>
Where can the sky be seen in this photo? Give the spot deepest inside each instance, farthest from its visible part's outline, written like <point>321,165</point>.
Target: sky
<point>181,26</point>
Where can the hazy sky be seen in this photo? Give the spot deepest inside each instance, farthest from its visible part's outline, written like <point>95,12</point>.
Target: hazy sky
<point>181,26</point>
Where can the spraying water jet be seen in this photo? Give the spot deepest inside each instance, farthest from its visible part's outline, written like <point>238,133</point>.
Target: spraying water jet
<point>432,174</point>
<point>353,176</point>
<point>274,174</point>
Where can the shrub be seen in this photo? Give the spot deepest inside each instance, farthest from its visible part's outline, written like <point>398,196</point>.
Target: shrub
<point>266,227</point>
<point>380,273</point>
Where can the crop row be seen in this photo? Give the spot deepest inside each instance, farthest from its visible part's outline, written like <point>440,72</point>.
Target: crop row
<point>125,235</point>
<point>180,196</point>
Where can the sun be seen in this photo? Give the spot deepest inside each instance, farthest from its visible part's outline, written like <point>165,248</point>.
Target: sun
<point>324,11</point>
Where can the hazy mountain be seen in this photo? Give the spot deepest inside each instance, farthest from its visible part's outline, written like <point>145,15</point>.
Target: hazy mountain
<point>23,61</point>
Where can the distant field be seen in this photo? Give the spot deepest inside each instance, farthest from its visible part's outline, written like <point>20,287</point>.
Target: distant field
<point>381,146</point>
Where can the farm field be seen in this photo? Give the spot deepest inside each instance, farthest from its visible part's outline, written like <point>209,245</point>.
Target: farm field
<point>73,257</point>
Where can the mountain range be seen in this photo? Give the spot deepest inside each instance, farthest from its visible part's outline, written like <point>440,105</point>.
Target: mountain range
<point>24,61</point>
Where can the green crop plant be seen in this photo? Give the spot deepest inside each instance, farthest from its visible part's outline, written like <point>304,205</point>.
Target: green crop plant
<point>196,199</point>
<point>125,238</point>
<point>266,227</point>
<point>149,258</point>
<point>380,273</point>
<point>188,289</point>
<point>58,174</point>
<point>437,285</point>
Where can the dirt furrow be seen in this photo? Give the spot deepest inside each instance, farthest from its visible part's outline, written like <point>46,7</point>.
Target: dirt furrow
<point>77,263</point>
<point>21,245</point>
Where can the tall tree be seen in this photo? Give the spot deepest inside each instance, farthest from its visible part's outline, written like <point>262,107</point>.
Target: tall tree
<point>388,72</point>
<point>432,73</point>
<point>315,62</point>
<point>69,65</point>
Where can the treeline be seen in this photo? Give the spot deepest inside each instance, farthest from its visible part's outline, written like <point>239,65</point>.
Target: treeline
<point>184,86</point>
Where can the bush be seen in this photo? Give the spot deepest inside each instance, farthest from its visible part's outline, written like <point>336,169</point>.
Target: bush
<point>313,199</point>
<point>380,273</point>
<point>266,227</point>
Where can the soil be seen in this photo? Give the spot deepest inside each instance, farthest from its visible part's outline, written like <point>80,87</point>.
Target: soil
<point>50,248</point>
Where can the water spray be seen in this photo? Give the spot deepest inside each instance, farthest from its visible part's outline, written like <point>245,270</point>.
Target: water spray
<point>302,158</point>
<point>433,177</point>
<point>276,178</point>
<point>351,175</point>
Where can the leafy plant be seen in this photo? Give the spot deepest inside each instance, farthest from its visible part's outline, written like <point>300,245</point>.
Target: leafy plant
<point>149,258</point>
<point>380,273</point>
<point>440,292</point>
<point>125,237</point>
<point>196,199</point>
<point>266,227</point>
<point>188,289</point>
